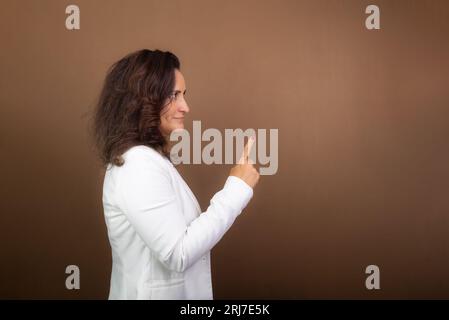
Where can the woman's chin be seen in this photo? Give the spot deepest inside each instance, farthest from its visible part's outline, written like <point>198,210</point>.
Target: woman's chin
<point>178,128</point>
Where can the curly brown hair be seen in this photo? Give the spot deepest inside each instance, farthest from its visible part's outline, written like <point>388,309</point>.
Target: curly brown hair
<point>135,91</point>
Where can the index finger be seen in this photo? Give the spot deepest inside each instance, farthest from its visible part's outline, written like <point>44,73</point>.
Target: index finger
<point>246,151</point>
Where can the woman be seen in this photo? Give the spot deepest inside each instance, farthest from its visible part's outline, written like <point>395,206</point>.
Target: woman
<point>159,238</point>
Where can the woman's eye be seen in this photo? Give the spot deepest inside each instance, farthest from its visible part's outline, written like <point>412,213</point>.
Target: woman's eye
<point>175,95</point>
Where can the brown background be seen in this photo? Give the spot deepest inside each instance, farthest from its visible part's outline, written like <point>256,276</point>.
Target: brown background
<point>363,119</point>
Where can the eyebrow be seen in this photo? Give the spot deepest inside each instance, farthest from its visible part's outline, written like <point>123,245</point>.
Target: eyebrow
<point>179,91</point>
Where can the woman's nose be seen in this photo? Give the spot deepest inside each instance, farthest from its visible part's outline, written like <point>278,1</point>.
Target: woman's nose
<point>184,107</point>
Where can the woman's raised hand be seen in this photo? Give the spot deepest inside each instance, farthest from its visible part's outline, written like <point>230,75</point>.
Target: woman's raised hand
<point>244,169</point>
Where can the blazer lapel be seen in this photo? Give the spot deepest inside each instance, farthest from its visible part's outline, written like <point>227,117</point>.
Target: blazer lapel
<point>190,193</point>
<point>187,190</point>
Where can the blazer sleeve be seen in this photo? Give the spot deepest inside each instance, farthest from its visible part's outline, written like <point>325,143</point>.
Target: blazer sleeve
<point>148,200</point>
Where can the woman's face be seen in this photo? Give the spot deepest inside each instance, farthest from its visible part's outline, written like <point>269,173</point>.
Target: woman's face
<point>172,116</point>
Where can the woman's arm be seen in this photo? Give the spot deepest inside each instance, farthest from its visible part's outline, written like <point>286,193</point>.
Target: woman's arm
<point>148,199</point>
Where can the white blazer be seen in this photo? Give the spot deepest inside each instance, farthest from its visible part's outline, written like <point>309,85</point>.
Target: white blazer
<point>159,238</point>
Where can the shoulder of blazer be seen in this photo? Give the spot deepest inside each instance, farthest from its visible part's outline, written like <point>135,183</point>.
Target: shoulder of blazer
<point>142,163</point>
<point>142,159</point>
<point>145,152</point>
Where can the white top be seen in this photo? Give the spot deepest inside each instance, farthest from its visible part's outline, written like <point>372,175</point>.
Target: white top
<point>159,238</point>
